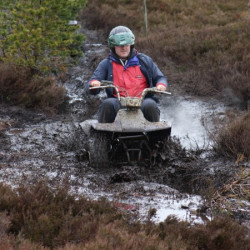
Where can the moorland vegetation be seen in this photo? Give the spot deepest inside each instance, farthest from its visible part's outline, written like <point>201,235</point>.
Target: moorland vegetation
<point>40,217</point>
<point>202,47</point>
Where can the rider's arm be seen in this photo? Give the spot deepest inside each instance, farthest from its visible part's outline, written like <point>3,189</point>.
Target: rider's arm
<point>159,80</point>
<point>153,74</point>
<point>99,74</point>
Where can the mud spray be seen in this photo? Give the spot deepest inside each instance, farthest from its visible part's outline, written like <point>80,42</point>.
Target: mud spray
<point>191,120</point>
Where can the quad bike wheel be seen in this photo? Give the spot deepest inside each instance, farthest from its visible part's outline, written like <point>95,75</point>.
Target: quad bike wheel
<point>99,146</point>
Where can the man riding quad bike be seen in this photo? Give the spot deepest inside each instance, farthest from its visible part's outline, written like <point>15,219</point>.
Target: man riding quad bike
<point>131,73</point>
<point>131,138</point>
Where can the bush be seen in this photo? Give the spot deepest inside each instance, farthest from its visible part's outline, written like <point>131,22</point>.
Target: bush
<point>36,41</point>
<point>37,216</point>
<point>37,34</point>
<point>51,217</point>
<point>203,45</point>
<point>20,86</point>
<point>233,139</point>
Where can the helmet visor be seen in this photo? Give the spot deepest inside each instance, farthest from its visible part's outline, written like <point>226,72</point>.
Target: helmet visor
<point>121,39</point>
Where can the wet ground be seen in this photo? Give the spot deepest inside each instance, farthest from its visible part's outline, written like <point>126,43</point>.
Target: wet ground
<point>35,146</point>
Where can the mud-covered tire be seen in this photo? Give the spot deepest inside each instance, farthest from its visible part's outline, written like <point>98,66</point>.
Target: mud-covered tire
<point>99,146</point>
<point>159,137</point>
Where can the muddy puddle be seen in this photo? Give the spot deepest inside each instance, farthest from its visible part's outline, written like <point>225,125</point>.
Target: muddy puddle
<point>34,147</point>
<point>51,149</point>
<point>192,120</point>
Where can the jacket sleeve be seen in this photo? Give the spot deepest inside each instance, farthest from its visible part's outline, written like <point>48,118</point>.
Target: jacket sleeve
<point>158,77</point>
<point>152,72</point>
<point>100,73</point>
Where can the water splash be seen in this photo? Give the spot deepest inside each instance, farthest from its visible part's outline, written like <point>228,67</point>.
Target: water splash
<point>187,117</point>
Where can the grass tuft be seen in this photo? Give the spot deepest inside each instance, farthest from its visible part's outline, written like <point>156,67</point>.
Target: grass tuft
<point>20,86</point>
<point>201,45</point>
<point>40,217</point>
<point>233,139</point>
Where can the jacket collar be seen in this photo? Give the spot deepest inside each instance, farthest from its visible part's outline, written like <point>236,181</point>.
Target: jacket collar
<point>132,60</point>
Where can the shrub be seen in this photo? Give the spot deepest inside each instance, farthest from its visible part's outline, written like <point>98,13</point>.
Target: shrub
<point>39,216</point>
<point>20,86</point>
<point>203,45</point>
<point>36,41</point>
<point>37,34</point>
<point>51,217</point>
<point>233,139</point>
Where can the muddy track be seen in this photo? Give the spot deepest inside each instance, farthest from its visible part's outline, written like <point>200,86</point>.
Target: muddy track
<point>34,146</point>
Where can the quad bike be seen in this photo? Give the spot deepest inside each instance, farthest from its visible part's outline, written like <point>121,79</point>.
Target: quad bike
<point>130,138</point>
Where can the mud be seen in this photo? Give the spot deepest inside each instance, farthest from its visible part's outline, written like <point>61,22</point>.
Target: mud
<point>35,146</point>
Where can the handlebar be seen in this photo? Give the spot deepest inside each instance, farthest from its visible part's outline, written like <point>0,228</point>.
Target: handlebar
<point>109,84</point>
<point>154,90</point>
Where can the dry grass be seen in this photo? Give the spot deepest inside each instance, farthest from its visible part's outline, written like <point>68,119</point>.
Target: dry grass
<point>208,41</point>
<point>52,217</point>
<point>234,194</point>
<point>39,217</point>
<point>234,139</point>
<point>23,87</point>
<point>201,45</point>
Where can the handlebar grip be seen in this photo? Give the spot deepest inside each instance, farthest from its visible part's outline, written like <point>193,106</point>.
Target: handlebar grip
<point>106,85</point>
<point>154,90</point>
<point>105,82</point>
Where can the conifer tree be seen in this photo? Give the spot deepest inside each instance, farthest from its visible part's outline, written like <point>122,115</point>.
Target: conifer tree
<point>37,34</point>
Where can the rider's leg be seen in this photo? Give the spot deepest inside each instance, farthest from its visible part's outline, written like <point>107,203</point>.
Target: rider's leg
<point>108,110</point>
<point>150,110</point>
